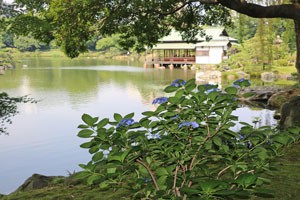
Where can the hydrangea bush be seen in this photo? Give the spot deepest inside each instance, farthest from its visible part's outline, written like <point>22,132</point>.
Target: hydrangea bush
<point>185,149</point>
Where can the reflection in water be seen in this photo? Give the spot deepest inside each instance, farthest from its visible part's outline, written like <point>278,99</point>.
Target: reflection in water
<point>43,136</point>
<point>213,77</point>
<point>264,117</point>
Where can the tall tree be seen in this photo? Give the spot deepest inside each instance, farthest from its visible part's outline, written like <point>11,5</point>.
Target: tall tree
<point>140,22</point>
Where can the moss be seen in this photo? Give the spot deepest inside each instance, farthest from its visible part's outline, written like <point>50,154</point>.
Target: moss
<point>80,192</point>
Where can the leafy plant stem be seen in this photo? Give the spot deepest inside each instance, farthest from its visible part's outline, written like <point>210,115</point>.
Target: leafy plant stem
<point>223,170</point>
<point>209,136</point>
<point>175,191</point>
<point>150,172</point>
<point>242,156</point>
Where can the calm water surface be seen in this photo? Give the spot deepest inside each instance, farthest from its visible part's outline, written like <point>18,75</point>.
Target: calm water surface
<point>42,138</point>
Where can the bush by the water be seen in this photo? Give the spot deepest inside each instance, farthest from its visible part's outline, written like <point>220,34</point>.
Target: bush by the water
<point>185,149</point>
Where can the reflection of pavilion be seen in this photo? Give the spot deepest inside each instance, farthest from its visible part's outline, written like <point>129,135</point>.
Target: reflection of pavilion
<point>26,89</point>
<point>208,77</point>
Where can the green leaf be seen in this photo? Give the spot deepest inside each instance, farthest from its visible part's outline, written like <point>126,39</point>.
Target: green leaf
<point>145,122</point>
<point>104,185</point>
<point>82,126</point>
<point>129,116</point>
<point>170,89</point>
<point>161,171</point>
<point>86,145</point>
<point>190,86</point>
<point>245,83</point>
<point>190,191</point>
<point>148,159</point>
<point>170,169</point>
<point>213,185</point>
<point>246,180</point>
<point>124,155</point>
<point>217,140</point>
<point>198,138</point>
<point>162,182</point>
<point>83,166</point>
<point>118,117</point>
<point>192,81</point>
<point>173,100</point>
<point>94,149</point>
<point>282,139</point>
<point>98,156</point>
<point>93,178</point>
<point>294,130</point>
<point>85,133</point>
<point>231,90</point>
<point>249,94</point>
<point>89,120</point>
<point>111,170</point>
<point>212,95</point>
<point>120,156</point>
<point>179,93</point>
<point>82,174</point>
<point>102,123</point>
<point>148,113</point>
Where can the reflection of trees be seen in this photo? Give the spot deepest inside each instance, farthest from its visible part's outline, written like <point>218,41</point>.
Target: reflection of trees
<point>84,77</point>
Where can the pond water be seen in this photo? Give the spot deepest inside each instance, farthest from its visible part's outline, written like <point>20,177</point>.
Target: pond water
<point>42,138</point>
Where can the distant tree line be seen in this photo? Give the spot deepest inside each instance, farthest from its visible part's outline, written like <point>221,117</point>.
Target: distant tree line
<point>29,44</point>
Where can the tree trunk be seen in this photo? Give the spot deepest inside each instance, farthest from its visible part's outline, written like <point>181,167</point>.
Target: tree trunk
<point>297,31</point>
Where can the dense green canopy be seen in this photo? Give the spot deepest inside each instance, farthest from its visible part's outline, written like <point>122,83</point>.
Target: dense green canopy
<point>140,23</point>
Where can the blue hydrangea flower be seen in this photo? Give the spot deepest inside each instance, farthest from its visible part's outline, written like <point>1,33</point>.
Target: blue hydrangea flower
<point>125,122</point>
<point>178,83</point>
<point>160,100</point>
<point>175,117</point>
<point>192,124</point>
<point>240,136</point>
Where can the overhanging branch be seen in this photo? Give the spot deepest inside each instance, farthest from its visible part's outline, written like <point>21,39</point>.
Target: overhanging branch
<point>290,11</point>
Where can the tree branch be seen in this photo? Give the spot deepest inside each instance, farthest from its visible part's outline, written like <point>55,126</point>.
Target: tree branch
<point>290,11</point>
<point>150,172</point>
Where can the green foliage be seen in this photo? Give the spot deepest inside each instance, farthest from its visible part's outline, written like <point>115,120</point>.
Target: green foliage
<point>7,59</point>
<point>110,46</point>
<point>265,49</point>
<point>8,108</point>
<point>289,35</point>
<point>243,28</point>
<point>25,43</point>
<point>139,23</point>
<point>108,42</point>
<point>8,39</point>
<point>184,149</point>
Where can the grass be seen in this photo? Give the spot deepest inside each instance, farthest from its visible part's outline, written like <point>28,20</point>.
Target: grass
<point>285,181</point>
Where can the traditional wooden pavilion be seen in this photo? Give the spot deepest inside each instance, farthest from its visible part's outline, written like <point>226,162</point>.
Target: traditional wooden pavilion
<point>173,50</point>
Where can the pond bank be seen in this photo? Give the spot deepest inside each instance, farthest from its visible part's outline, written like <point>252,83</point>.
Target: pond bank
<point>272,96</point>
